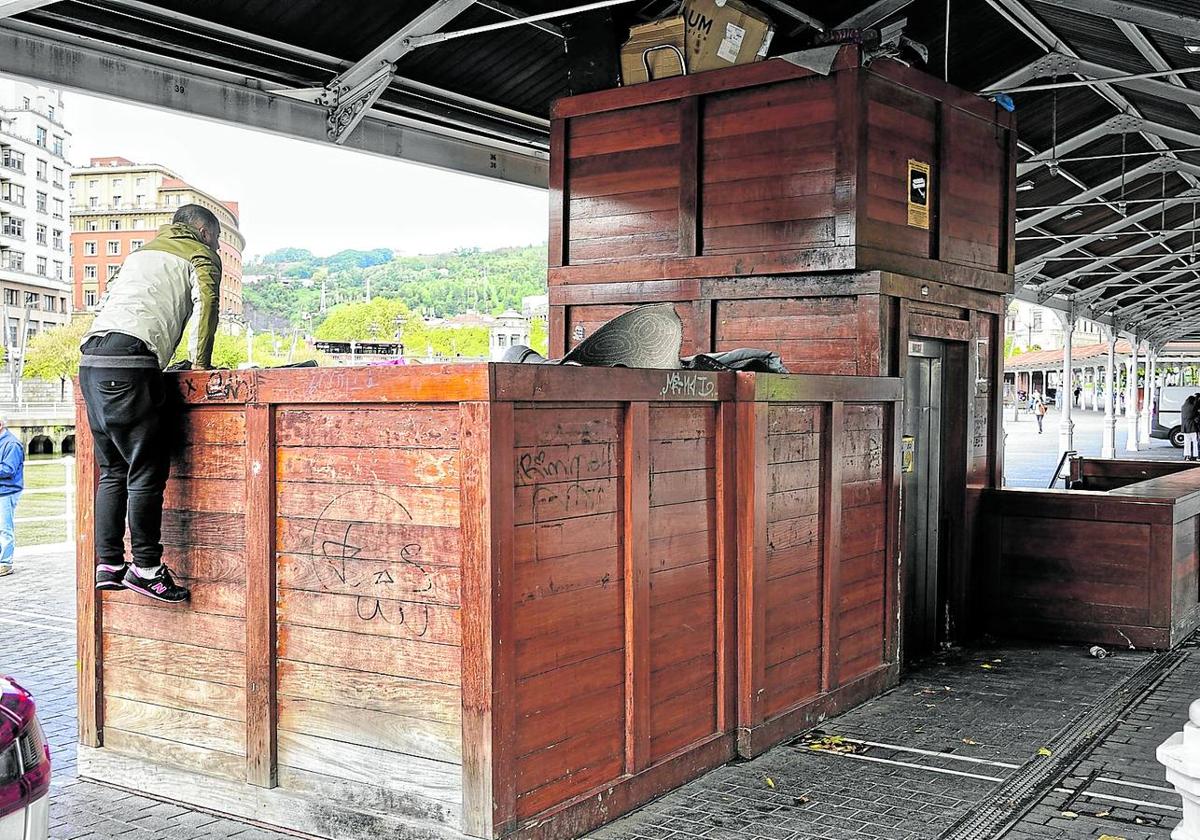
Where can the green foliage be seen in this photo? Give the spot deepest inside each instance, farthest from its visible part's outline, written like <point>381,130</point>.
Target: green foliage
<point>539,338</point>
<point>54,354</point>
<point>377,320</point>
<point>421,339</point>
<point>438,285</point>
<point>270,350</point>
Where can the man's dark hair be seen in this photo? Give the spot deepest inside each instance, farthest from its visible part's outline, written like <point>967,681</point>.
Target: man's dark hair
<point>197,218</point>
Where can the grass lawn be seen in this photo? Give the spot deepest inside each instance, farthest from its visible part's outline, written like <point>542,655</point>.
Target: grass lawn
<point>39,476</point>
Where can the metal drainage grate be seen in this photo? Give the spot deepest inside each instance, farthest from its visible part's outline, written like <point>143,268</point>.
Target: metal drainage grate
<point>1016,795</point>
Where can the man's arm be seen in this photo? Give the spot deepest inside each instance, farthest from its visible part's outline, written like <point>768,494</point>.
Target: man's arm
<point>11,460</point>
<point>208,281</point>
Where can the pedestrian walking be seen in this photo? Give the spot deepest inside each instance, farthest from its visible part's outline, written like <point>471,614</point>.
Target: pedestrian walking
<point>12,482</point>
<point>1038,406</point>
<point>132,340</point>
<point>1189,423</point>
<point>1078,395</point>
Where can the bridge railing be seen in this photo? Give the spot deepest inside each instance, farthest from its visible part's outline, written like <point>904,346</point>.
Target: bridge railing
<point>67,489</point>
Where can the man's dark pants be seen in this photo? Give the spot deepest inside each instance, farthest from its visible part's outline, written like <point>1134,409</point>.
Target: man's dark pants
<point>125,400</point>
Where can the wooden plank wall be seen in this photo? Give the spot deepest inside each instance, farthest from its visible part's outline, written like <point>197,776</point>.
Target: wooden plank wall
<point>974,215</point>
<point>862,620</point>
<point>174,678</point>
<point>794,607</point>
<point>811,334</point>
<point>368,605</point>
<point>682,517</point>
<point>624,178</point>
<point>817,563</point>
<point>1067,567</point>
<point>568,601</point>
<point>768,165</point>
<point>901,124</point>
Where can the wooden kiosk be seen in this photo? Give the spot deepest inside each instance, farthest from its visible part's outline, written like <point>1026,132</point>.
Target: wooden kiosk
<point>512,600</point>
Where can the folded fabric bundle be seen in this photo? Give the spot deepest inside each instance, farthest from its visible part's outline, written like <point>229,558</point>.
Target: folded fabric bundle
<point>648,337</point>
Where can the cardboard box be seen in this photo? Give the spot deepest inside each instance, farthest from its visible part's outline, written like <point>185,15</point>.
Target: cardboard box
<point>722,33</point>
<point>659,44</point>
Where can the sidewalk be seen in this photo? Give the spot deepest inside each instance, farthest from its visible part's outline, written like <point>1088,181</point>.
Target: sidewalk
<point>912,764</point>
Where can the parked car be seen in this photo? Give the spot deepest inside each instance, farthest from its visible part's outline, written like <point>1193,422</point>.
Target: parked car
<point>1166,414</point>
<point>24,767</point>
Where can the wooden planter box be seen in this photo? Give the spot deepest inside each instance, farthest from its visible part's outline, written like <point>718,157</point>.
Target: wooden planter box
<point>1112,568</point>
<point>818,522</point>
<point>482,600</point>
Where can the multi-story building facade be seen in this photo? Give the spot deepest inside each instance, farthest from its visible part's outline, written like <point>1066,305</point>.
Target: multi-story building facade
<point>34,228</point>
<point>118,205</point>
<point>1032,327</point>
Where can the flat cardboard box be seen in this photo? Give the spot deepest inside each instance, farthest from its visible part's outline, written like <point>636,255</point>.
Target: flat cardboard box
<point>722,33</point>
<point>667,35</point>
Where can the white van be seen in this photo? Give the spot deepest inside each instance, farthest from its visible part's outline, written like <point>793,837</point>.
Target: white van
<point>1166,417</point>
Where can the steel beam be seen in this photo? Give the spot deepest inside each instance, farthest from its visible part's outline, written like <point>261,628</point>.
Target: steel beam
<point>102,70</point>
<point>1149,168</point>
<point>8,8</point>
<point>873,14</point>
<point>1141,14</point>
<point>1150,52</point>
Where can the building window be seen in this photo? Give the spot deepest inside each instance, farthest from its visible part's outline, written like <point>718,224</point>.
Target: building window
<point>13,261</point>
<point>114,247</point>
<point>57,240</point>
<point>138,200</point>
<point>47,303</point>
<point>12,193</point>
<point>13,226</point>
<point>25,102</point>
<point>58,177</point>
<point>41,136</point>
<point>139,224</point>
<point>118,183</point>
<point>58,208</point>
<point>11,297</point>
<point>94,184</point>
<point>12,159</point>
<point>114,224</point>
<point>58,270</point>
<point>91,225</point>
<point>89,272</point>
<point>14,331</point>
<point>31,300</point>
<point>31,330</point>
<point>89,298</point>
<point>43,203</point>
<point>41,234</point>
<point>42,169</point>
<point>50,113</point>
<point>62,305</point>
<point>501,340</point>
<point>93,202</point>
<point>134,244</point>
<point>58,146</point>
<point>116,201</point>
<point>1037,320</point>
<point>41,266</point>
<point>112,271</point>
<point>90,248</point>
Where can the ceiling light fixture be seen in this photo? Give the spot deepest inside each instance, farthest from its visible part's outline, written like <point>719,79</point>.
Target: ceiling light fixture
<point>1192,46</point>
<point>1074,214</point>
<point>1025,186</point>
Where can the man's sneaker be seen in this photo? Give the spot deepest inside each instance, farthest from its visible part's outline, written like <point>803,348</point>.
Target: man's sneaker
<point>5,570</point>
<point>110,575</point>
<point>161,587</point>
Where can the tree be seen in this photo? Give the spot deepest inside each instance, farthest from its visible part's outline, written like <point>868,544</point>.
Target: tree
<point>54,354</point>
<point>373,321</point>
<point>539,338</point>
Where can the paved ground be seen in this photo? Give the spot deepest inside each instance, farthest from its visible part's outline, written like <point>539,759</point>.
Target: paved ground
<point>918,759</point>
<point>1030,458</point>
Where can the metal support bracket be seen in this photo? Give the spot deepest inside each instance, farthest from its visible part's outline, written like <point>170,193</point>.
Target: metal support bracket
<point>1054,64</point>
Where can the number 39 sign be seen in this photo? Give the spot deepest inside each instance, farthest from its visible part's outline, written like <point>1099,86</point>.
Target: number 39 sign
<point>918,194</point>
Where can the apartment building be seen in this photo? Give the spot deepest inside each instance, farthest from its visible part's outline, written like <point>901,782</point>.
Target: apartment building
<point>1032,327</point>
<point>118,205</point>
<point>34,226</point>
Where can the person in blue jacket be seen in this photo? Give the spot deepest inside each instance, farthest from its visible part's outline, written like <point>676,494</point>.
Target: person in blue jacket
<point>12,482</point>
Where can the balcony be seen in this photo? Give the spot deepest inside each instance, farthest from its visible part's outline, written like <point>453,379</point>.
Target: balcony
<point>14,165</point>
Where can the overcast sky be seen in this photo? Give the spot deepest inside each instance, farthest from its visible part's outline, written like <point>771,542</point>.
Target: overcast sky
<point>294,193</point>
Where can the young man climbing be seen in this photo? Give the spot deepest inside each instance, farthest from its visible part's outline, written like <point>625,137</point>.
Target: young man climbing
<point>140,323</point>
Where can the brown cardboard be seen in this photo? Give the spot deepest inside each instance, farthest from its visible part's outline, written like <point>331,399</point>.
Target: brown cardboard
<point>667,33</point>
<point>722,33</point>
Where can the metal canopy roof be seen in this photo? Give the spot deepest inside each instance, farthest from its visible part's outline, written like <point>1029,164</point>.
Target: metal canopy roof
<point>1110,171</point>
